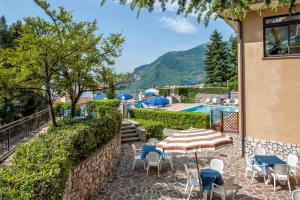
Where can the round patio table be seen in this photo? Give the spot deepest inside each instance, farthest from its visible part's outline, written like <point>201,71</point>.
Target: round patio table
<point>208,177</point>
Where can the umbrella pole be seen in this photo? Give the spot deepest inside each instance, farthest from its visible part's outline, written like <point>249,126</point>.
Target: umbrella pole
<point>198,171</point>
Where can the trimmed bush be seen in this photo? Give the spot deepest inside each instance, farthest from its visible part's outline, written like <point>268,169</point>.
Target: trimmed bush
<point>41,167</point>
<point>60,107</point>
<point>186,91</point>
<point>93,105</point>
<point>172,119</point>
<point>164,92</point>
<point>185,99</point>
<point>153,129</point>
<point>193,91</point>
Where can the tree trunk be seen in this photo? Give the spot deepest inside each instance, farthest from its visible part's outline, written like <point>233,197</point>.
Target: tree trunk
<point>74,102</point>
<point>51,109</point>
<point>73,108</point>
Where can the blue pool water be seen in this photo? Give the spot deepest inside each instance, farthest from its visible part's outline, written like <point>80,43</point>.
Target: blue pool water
<point>207,109</point>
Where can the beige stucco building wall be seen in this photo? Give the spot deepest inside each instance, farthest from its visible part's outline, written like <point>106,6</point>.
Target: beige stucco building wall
<point>272,87</point>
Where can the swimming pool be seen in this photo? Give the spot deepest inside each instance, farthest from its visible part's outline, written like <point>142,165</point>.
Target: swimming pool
<point>207,109</point>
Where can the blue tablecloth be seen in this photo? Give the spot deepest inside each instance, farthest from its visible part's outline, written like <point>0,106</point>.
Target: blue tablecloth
<point>266,161</point>
<point>210,176</point>
<point>151,148</point>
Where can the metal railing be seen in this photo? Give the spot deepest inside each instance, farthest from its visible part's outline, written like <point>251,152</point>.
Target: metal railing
<point>14,133</point>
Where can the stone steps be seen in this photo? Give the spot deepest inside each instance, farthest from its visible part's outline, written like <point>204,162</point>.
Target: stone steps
<point>129,133</point>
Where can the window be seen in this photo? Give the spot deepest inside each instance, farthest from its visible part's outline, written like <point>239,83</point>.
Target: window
<point>282,35</point>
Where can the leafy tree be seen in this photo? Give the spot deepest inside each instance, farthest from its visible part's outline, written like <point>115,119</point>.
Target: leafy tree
<point>57,57</point>
<point>15,105</point>
<point>216,65</point>
<point>205,9</point>
<point>112,80</point>
<point>8,33</point>
<point>86,54</point>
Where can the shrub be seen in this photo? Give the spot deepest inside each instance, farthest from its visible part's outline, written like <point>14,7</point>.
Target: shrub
<point>193,91</point>
<point>93,105</point>
<point>60,107</point>
<point>41,167</point>
<point>153,129</point>
<point>164,92</point>
<point>172,119</point>
<point>185,99</point>
<point>186,91</point>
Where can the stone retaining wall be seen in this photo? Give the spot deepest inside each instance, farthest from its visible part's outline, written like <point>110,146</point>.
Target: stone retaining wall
<point>87,177</point>
<point>280,149</point>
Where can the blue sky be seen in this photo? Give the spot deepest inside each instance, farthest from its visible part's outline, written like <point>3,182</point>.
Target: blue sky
<point>147,37</point>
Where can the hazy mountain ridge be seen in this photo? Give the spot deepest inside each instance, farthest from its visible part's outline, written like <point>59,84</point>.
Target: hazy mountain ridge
<point>172,68</point>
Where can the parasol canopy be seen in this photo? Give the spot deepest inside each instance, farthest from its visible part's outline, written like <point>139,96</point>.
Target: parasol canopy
<point>150,94</point>
<point>124,96</point>
<point>158,101</point>
<point>194,140</point>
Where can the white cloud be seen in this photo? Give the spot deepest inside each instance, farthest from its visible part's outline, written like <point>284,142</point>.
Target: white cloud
<point>179,25</point>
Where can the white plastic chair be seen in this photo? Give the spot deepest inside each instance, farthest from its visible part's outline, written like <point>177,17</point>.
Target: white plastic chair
<point>169,157</point>
<point>280,172</point>
<point>217,165</point>
<point>296,195</point>
<point>227,102</point>
<point>207,101</point>
<point>259,150</point>
<point>153,160</point>
<point>228,188</point>
<point>215,100</point>
<point>253,169</point>
<point>190,182</point>
<point>292,161</point>
<point>236,102</point>
<point>137,156</point>
<point>152,141</point>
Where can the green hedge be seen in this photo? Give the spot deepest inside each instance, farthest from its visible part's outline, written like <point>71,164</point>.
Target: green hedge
<point>153,129</point>
<point>172,119</point>
<point>60,107</point>
<point>41,167</point>
<point>192,91</point>
<point>186,91</point>
<point>186,99</point>
<point>164,92</point>
<point>93,105</point>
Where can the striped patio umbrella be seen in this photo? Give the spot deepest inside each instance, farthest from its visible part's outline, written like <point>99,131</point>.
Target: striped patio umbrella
<point>193,141</point>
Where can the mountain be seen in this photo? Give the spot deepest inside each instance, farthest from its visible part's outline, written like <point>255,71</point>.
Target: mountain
<point>173,68</point>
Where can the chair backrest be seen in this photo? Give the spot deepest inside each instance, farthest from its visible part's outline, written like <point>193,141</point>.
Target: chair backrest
<point>259,150</point>
<point>236,101</point>
<point>228,183</point>
<point>281,169</point>
<point>292,160</point>
<point>217,165</point>
<point>153,157</point>
<point>296,195</point>
<point>133,148</point>
<point>153,141</point>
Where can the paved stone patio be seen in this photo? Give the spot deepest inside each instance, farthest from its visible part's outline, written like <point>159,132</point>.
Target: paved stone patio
<point>127,184</point>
